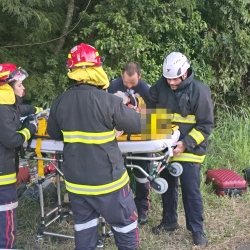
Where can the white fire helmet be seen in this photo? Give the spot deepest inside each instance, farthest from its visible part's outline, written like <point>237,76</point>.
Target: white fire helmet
<point>175,65</point>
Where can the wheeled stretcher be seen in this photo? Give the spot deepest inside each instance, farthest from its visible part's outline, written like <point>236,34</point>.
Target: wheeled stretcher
<point>161,150</point>
<point>43,147</point>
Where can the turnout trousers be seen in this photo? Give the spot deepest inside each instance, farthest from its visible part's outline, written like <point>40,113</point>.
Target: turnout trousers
<point>117,208</point>
<point>142,185</point>
<point>8,216</point>
<point>191,197</point>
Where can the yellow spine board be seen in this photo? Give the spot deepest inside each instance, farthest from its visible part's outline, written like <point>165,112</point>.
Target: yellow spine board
<point>42,126</point>
<point>137,137</point>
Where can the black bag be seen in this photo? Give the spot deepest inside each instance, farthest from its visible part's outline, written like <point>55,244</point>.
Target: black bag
<point>246,173</point>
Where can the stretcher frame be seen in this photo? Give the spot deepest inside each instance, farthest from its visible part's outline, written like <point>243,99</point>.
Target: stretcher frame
<point>59,208</point>
<point>158,184</point>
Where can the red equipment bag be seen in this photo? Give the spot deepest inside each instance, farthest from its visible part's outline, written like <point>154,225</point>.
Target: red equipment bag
<point>23,174</point>
<point>226,182</point>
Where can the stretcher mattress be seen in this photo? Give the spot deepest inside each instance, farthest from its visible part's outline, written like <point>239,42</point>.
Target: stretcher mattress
<point>125,146</point>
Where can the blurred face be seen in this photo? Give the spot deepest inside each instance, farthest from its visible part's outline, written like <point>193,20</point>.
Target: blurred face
<point>19,88</point>
<point>130,82</point>
<point>174,82</point>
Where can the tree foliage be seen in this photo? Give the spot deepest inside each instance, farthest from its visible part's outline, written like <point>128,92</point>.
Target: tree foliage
<point>214,34</point>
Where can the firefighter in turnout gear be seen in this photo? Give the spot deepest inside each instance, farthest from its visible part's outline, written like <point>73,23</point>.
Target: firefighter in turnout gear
<point>85,117</point>
<point>12,136</point>
<point>191,106</point>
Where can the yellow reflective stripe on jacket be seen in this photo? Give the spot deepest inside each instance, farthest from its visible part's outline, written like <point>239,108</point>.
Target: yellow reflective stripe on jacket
<point>188,119</point>
<point>100,189</point>
<point>197,135</point>
<point>26,133</point>
<point>188,157</point>
<point>7,179</point>
<point>38,110</point>
<point>88,138</point>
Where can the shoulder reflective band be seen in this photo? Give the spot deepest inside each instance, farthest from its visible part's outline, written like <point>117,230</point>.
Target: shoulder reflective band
<point>187,157</point>
<point>8,207</point>
<point>178,118</point>
<point>100,189</point>
<point>7,179</point>
<point>26,133</point>
<point>89,224</point>
<point>88,138</point>
<point>126,229</point>
<point>197,135</point>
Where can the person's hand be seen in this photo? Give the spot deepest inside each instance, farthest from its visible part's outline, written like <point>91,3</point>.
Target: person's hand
<point>118,133</point>
<point>180,147</point>
<point>137,95</point>
<point>124,96</point>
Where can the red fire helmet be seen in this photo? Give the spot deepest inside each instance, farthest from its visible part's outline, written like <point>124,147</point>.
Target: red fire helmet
<point>83,56</point>
<point>10,72</point>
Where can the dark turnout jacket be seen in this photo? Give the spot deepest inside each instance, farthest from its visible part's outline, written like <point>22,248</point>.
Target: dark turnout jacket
<point>84,117</point>
<point>12,136</point>
<point>192,110</point>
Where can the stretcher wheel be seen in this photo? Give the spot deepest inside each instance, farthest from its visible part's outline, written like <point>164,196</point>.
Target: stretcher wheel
<point>163,184</point>
<point>175,169</point>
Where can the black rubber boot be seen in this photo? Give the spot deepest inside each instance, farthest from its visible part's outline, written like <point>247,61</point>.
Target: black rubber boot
<point>165,227</point>
<point>142,218</point>
<point>200,239</point>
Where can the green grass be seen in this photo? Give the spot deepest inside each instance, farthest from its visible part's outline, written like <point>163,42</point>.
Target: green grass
<point>226,219</point>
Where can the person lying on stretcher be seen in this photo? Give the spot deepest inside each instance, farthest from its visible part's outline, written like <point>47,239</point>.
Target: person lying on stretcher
<point>156,123</point>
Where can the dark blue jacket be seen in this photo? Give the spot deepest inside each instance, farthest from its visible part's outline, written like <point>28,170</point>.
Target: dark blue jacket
<point>117,85</point>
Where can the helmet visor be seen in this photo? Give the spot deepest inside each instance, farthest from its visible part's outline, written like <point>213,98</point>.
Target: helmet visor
<point>18,74</point>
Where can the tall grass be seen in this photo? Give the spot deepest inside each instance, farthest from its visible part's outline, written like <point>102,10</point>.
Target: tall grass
<point>229,141</point>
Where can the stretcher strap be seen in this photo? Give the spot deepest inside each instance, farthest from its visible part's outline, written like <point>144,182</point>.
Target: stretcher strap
<point>42,125</point>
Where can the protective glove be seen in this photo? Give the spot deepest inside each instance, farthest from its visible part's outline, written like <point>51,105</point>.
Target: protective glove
<point>32,128</point>
<point>38,109</point>
<point>31,119</point>
<point>124,96</point>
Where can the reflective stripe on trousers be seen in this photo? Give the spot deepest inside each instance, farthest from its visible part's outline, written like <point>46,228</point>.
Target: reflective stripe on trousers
<point>8,207</point>
<point>126,229</point>
<point>119,211</point>
<point>89,224</point>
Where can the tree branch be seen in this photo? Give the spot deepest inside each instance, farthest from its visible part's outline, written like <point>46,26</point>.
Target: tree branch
<point>71,6</point>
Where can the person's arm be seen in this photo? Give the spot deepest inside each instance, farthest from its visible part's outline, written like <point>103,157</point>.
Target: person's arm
<point>152,97</point>
<point>9,136</point>
<point>29,110</point>
<point>126,119</point>
<point>53,127</point>
<point>204,115</point>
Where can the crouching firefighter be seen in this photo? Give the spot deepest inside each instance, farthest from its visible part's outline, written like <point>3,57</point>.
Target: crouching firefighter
<point>84,117</point>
